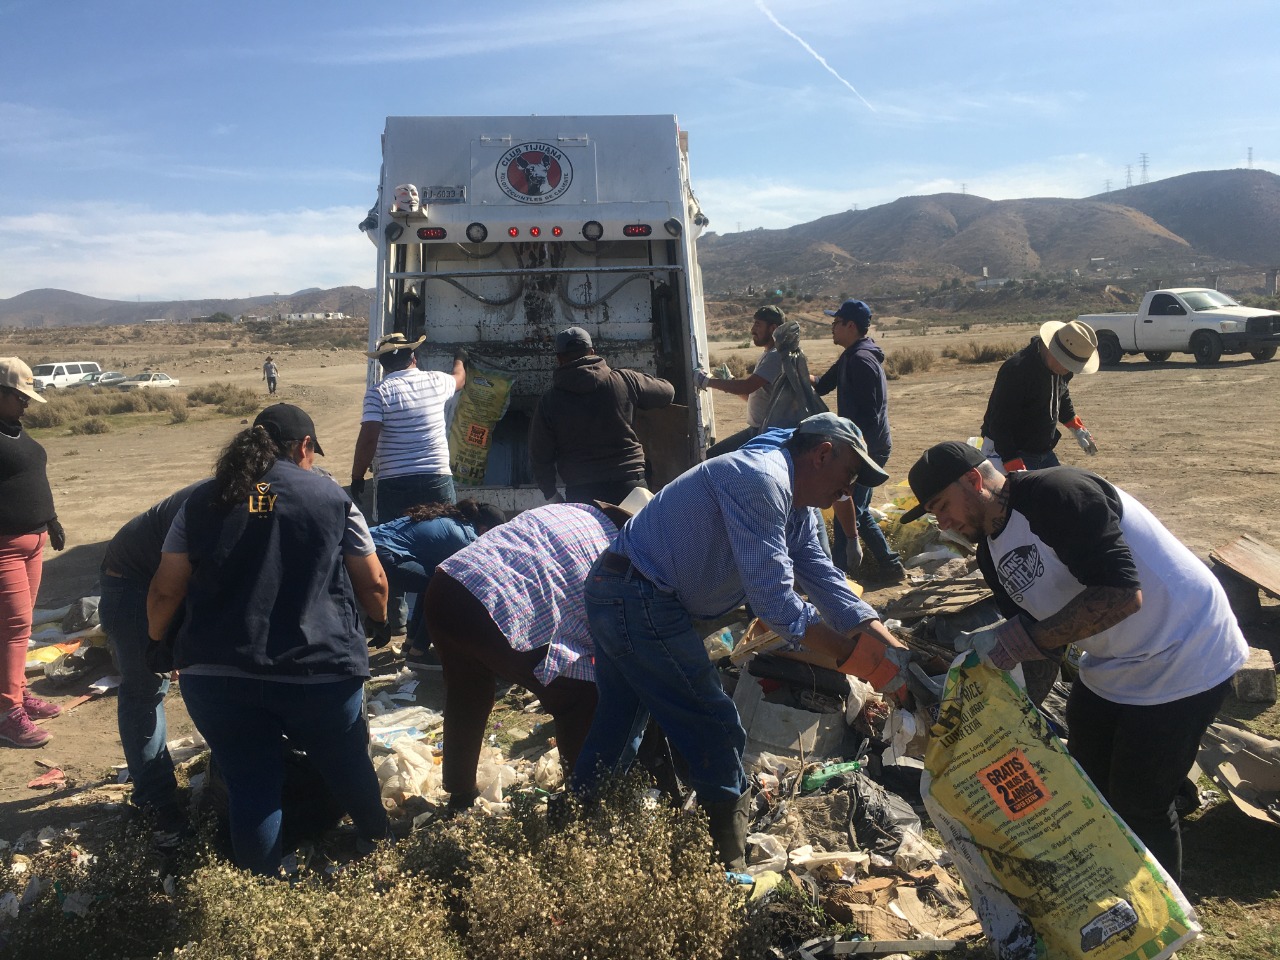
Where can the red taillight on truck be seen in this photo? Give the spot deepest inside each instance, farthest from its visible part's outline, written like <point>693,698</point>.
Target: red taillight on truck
<point>535,231</point>
<point>637,230</point>
<point>557,231</point>
<point>432,233</point>
<point>513,231</point>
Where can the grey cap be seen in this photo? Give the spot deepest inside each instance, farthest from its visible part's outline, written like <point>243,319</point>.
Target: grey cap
<point>572,340</point>
<point>842,430</point>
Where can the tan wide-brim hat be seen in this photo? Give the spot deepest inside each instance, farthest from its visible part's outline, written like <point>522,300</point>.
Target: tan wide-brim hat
<point>1074,345</point>
<point>393,342</point>
<point>17,375</point>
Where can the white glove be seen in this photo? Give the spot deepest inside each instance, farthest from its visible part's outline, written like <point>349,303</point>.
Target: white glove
<point>1085,439</point>
<point>701,378</point>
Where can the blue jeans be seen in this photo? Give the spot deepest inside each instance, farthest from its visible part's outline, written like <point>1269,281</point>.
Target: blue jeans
<point>406,575</point>
<point>869,532</point>
<point>140,701</point>
<point>395,496</point>
<point>650,660</point>
<point>244,722</point>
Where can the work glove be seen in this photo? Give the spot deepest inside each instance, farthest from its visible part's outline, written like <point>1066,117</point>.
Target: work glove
<point>357,488</point>
<point>1083,436</point>
<point>379,635</point>
<point>1015,464</point>
<point>701,379</point>
<point>57,536</point>
<point>1002,645</point>
<point>900,657</point>
<point>460,353</point>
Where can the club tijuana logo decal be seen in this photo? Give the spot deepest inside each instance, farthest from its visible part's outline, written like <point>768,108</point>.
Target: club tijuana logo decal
<point>534,173</point>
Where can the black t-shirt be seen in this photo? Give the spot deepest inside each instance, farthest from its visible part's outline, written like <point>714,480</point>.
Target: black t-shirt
<point>134,552</point>
<point>26,502</point>
<point>1069,513</point>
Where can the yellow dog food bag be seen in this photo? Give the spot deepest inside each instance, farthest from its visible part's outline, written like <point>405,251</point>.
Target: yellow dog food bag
<point>1052,872</point>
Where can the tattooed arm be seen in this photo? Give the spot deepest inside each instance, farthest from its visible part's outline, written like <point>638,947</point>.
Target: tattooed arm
<point>1090,612</point>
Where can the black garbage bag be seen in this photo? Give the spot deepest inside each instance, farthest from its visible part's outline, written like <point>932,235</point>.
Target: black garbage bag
<point>878,818</point>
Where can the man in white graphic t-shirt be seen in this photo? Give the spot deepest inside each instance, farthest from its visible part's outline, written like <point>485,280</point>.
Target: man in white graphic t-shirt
<point>1073,559</point>
<point>403,436</point>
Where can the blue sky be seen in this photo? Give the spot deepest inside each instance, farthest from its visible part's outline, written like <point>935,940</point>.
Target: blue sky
<point>181,150</point>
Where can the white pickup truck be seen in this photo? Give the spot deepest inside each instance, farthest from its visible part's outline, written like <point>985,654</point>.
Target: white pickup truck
<point>1194,320</point>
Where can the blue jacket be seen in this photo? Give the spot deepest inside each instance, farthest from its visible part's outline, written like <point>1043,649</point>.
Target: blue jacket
<point>862,394</point>
<point>269,592</point>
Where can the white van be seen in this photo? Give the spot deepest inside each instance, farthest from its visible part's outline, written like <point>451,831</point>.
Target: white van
<point>55,375</point>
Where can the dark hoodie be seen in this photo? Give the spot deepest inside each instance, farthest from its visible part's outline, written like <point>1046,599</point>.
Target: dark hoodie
<point>862,393</point>
<point>583,424</point>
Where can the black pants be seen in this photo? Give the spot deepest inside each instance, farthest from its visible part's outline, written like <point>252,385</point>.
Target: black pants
<point>606,491</point>
<point>1137,757</point>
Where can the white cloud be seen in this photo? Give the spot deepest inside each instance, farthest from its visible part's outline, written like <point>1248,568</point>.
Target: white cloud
<point>122,252</point>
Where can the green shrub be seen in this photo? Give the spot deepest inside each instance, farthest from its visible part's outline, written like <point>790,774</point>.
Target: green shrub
<point>907,360</point>
<point>370,908</point>
<point>90,425</point>
<point>974,352</point>
<point>738,366</point>
<point>231,401</point>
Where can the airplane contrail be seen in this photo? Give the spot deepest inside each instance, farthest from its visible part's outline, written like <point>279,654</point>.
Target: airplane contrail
<point>812,52</point>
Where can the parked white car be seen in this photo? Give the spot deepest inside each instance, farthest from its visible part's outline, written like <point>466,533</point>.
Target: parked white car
<point>147,381</point>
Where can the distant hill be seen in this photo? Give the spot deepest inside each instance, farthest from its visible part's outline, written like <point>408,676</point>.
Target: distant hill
<point>1226,217</point>
<point>59,308</point>
<point>1209,221</point>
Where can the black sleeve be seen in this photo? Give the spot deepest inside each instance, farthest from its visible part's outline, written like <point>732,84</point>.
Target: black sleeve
<point>1005,409</point>
<point>827,382</point>
<point>1077,515</point>
<point>988,568</point>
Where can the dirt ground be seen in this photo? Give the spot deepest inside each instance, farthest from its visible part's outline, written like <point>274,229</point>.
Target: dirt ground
<point>1197,445</point>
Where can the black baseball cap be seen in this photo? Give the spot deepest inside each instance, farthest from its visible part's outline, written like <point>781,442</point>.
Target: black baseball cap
<point>771,315</point>
<point>941,466</point>
<point>286,423</point>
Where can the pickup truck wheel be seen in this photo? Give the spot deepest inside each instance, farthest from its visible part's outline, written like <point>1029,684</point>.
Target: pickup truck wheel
<point>1264,353</point>
<point>1158,356</point>
<point>1109,352</point>
<point>1206,346</point>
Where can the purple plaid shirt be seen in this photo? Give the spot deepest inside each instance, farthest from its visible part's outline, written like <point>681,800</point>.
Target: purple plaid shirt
<point>529,574</point>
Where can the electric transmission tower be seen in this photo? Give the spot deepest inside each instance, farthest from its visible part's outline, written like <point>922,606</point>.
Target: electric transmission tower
<point>1106,186</point>
<point>1128,175</point>
<point>1142,159</point>
<point>1251,158</point>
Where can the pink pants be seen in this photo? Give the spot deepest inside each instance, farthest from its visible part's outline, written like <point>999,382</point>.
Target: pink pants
<point>21,561</point>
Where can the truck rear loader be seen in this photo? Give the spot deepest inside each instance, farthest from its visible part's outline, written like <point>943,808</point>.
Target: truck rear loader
<point>495,233</point>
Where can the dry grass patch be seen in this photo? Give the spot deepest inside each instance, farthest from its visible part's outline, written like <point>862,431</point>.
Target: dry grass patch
<point>908,360</point>
<point>975,352</point>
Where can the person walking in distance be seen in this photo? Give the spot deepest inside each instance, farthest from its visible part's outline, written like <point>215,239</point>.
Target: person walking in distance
<point>271,374</point>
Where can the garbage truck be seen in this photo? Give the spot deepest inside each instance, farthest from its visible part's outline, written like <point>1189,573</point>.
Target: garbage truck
<point>495,233</point>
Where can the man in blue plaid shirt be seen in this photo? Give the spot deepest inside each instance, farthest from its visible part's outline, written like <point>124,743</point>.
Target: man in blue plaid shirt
<point>736,527</point>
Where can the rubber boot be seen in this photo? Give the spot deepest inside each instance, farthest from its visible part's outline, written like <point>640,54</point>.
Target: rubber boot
<point>728,827</point>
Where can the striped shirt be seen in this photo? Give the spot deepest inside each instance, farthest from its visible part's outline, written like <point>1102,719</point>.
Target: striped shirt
<point>728,530</point>
<point>529,574</point>
<point>410,406</point>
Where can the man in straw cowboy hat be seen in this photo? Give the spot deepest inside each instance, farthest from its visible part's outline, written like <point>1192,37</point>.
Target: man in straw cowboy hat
<point>1073,559</point>
<point>403,436</point>
<point>1030,398</point>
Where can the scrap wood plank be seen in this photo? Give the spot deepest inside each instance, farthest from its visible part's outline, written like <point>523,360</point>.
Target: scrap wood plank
<point>941,596</point>
<point>830,947</point>
<point>1249,557</point>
